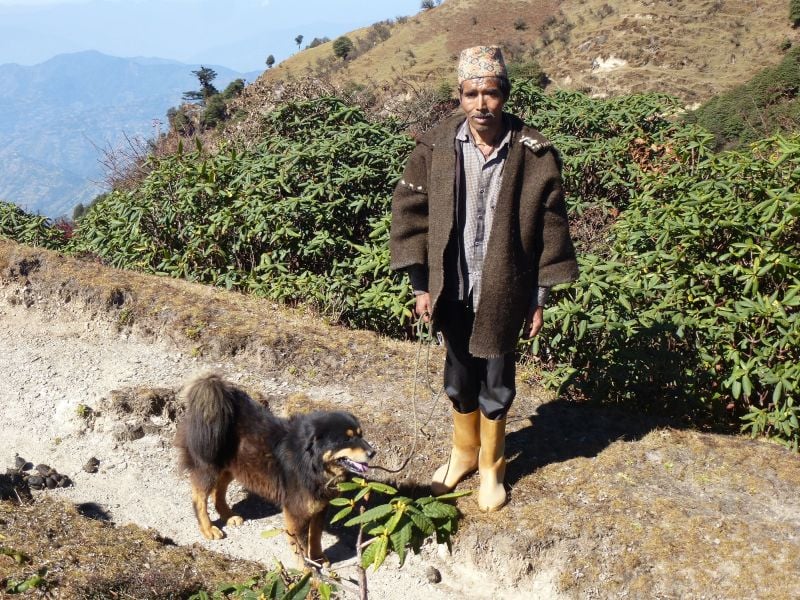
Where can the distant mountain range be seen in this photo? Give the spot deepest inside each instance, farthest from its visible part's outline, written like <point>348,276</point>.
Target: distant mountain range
<point>55,117</point>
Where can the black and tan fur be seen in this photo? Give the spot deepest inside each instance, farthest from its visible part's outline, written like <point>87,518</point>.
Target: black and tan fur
<point>294,463</point>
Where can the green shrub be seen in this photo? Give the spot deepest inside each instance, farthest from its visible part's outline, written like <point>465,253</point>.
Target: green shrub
<point>33,230</point>
<point>528,70</point>
<point>214,112</point>
<point>301,217</point>
<point>180,119</point>
<point>234,89</point>
<point>697,299</point>
<point>666,231</point>
<point>602,143</point>
<point>400,525</point>
<point>343,47</point>
<point>319,41</point>
<point>794,12</point>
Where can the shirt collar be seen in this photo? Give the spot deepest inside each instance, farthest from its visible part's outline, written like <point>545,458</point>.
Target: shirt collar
<point>463,134</point>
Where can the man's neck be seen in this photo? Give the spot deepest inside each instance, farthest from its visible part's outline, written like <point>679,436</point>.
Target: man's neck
<point>487,141</point>
<point>489,138</point>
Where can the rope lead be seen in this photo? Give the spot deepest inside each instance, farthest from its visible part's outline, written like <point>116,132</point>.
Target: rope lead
<point>425,336</point>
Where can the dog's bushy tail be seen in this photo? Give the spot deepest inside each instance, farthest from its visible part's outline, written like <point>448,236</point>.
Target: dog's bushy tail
<point>208,427</point>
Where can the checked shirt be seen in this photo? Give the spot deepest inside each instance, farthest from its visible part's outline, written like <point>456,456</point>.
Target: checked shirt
<point>477,190</point>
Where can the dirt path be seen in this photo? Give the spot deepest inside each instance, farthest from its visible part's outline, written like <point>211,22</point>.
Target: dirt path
<point>52,366</point>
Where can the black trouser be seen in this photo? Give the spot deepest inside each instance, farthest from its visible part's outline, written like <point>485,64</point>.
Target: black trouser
<point>471,382</point>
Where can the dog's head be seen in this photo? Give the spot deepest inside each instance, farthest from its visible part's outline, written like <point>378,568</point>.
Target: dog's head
<point>335,439</point>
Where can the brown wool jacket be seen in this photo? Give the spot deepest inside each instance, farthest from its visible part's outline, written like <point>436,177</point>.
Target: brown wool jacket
<point>529,244</point>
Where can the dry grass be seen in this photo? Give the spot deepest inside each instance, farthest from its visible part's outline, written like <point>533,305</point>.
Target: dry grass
<point>83,556</point>
<point>691,50</point>
<point>425,47</point>
<point>608,502</point>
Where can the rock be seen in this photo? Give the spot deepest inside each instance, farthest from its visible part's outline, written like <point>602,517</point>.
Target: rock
<point>92,465</point>
<point>19,462</point>
<point>51,482</point>
<point>129,433</point>
<point>433,575</point>
<point>44,470</point>
<point>36,482</point>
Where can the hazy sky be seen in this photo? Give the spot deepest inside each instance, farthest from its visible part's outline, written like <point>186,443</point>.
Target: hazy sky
<point>234,33</point>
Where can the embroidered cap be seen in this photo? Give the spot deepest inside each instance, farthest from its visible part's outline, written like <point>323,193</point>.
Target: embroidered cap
<point>481,61</point>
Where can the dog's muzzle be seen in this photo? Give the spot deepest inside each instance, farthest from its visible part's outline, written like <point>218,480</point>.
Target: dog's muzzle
<point>357,461</point>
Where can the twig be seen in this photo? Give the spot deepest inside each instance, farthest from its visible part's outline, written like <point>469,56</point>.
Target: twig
<point>362,572</point>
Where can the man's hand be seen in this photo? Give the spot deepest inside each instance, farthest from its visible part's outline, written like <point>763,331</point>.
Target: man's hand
<point>533,322</point>
<point>423,308</point>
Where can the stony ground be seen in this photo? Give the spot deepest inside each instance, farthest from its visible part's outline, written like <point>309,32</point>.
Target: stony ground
<point>603,503</point>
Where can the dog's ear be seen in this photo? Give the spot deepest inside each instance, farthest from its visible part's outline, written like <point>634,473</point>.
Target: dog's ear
<point>305,434</point>
<point>312,441</point>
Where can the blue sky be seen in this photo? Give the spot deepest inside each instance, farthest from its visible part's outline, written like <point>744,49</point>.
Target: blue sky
<point>239,34</point>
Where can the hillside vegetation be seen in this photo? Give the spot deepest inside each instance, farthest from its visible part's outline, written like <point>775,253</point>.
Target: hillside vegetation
<point>693,50</point>
<point>768,103</point>
<point>689,288</point>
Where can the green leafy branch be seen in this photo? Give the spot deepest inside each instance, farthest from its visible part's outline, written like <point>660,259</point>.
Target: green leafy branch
<point>36,580</point>
<point>279,584</point>
<point>397,525</point>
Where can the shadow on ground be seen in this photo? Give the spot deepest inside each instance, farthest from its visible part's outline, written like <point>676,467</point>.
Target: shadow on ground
<point>92,510</point>
<point>254,507</point>
<point>562,430</point>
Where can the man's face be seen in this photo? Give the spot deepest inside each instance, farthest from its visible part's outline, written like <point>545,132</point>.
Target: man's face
<point>482,101</point>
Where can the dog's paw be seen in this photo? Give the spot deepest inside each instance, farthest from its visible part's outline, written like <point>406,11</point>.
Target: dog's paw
<point>213,533</point>
<point>323,560</point>
<point>234,521</point>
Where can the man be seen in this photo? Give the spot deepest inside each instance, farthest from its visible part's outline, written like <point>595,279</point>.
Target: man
<point>480,225</point>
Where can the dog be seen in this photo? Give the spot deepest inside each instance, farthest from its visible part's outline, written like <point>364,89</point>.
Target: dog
<point>295,463</point>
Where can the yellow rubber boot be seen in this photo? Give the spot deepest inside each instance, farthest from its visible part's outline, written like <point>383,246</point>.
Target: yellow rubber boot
<point>464,455</point>
<point>492,464</point>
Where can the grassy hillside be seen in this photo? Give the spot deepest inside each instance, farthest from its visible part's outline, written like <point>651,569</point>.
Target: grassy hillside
<point>691,50</point>
<point>425,46</point>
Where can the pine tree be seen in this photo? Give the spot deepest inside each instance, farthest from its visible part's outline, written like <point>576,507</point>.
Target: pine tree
<point>205,76</point>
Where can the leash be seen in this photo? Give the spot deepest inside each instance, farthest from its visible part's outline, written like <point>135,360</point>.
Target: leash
<point>425,336</point>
